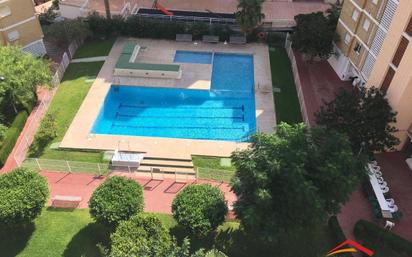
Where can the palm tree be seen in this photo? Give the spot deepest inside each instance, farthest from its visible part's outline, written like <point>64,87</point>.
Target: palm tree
<point>250,14</point>
<point>107,8</point>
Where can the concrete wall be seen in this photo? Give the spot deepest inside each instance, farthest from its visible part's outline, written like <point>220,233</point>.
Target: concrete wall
<point>70,11</point>
<point>148,73</point>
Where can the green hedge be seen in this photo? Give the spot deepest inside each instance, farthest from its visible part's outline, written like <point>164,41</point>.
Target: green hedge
<point>135,26</point>
<point>11,136</point>
<point>370,233</point>
<point>337,231</point>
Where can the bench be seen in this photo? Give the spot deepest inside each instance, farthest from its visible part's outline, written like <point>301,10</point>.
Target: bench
<point>66,201</point>
<point>237,40</point>
<point>210,39</point>
<point>184,37</point>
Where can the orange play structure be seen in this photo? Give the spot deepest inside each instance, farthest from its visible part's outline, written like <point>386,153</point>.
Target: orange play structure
<point>161,8</point>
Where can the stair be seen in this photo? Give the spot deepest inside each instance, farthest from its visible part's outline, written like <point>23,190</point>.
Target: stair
<point>168,165</point>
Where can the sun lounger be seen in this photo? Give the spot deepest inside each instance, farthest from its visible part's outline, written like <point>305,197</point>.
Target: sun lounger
<point>237,40</point>
<point>210,39</point>
<point>184,37</point>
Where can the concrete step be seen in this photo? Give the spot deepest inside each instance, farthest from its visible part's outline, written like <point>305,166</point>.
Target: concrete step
<point>167,170</point>
<point>166,163</point>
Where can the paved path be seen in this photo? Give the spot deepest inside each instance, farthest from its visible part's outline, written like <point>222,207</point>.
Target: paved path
<point>158,194</point>
<point>90,59</point>
<point>21,147</point>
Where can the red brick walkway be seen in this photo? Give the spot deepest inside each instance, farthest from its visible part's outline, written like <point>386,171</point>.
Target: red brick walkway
<point>319,83</point>
<point>158,194</point>
<point>29,130</point>
<point>399,178</point>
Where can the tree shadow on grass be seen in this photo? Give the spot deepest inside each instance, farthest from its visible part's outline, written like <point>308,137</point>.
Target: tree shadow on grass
<point>84,243</point>
<point>14,239</point>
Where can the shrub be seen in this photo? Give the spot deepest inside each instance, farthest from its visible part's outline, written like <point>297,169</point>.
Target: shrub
<point>115,200</point>
<point>64,32</point>
<point>11,136</point>
<point>372,234</point>
<point>23,194</point>
<point>47,132</point>
<point>142,235</point>
<point>199,208</point>
<point>336,229</point>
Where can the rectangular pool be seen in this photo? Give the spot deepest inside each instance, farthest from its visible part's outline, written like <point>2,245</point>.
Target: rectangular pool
<point>193,57</point>
<point>226,112</point>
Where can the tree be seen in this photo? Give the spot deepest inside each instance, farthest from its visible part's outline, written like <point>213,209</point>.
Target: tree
<point>107,9</point>
<point>22,73</point>
<point>115,200</point>
<point>250,14</point>
<point>333,13</point>
<point>45,134</point>
<point>313,35</point>
<point>292,179</point>
<point>142,235</point>
<point>199,208</point>
<point>23,194</point>
<point>64,32</point>
<point>364,116</point>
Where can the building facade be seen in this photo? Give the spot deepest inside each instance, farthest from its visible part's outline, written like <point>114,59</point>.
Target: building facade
<point>376,50</point>
<point>20,26</point>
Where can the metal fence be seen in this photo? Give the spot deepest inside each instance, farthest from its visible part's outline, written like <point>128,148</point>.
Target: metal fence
<point>22,146</point>
<point>101,169</point>
<point>296,77</point>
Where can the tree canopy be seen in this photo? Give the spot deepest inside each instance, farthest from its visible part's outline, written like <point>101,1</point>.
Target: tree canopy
<point>292,179</point>
<point>314,35</point>
<point>364,116</point>
<point>20,74</point>
<point>23,194</point>
<point>250,14</point>
<point>64,32</point>
<point>115,200</point>
<point>199,208</point>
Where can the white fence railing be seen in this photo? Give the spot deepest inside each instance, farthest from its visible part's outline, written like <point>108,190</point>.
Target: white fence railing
<point>40,110</point>
<point>296,77</point>
<point>104,169</point>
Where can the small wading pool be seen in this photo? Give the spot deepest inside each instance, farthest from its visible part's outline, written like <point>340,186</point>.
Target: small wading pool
<point>226,112</point>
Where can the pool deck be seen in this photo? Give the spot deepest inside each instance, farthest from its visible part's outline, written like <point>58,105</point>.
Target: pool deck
<point>195,76</point>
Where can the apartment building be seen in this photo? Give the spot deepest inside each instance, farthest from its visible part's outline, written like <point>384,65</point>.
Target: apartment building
<point>376,50</point>
<point>19,25</point>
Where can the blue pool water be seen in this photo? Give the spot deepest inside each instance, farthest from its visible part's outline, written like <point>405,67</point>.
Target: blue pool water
<point>226,112</point>
<point>193,57</point>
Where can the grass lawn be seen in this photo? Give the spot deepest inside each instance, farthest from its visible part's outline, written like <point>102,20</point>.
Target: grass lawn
<point>95,48</point>
<point>287,105</point>
<point>74,234</point>
<point>209,168</point>
<point>69,96</point>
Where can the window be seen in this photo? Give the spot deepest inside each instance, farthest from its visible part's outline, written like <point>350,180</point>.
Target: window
<point>366,24</point>
<point>375,1</point>
<point>14,35</point>
<point>347,38</point>
<point>388,79</point>
<point>400,52</point>
<point>355,15</point>
<point>4,11</point>
<point>409,28</point>
<point>357,48</point>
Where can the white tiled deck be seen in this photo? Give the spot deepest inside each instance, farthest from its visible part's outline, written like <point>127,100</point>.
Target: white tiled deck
<point>195,76</point>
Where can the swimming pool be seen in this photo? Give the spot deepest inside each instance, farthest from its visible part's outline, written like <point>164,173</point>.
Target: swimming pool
<point>193,57</point>
<point>226,112</point>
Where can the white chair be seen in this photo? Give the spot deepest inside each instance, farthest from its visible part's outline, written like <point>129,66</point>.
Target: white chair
<point>384,184</point>
<point>385,190</point>
<point>376,168</point>
<point>391,202</point>
<point>394,208</point>
<point>380,180</point>
<point>378,174</point>
<point>389,225</point>
<point>374,163</point>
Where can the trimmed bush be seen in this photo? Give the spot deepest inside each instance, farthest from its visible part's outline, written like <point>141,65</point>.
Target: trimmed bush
<point>142,235</point>
<point>199,208</point>
<point>11,136</point>
<point>115,200</point>
<point>370,233</point>
<point>47,132</point>
<point>23,194</point>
